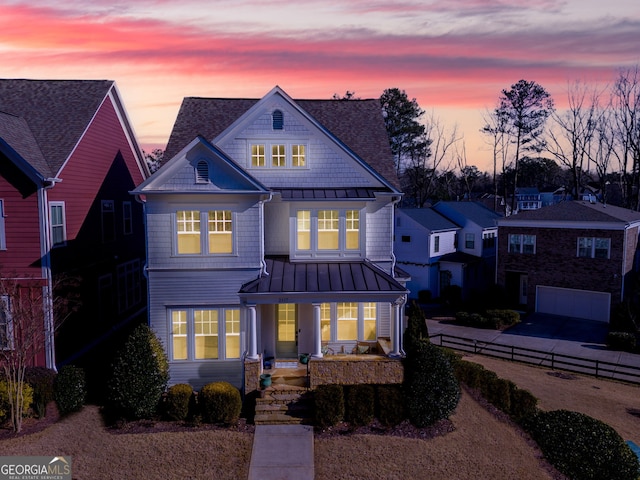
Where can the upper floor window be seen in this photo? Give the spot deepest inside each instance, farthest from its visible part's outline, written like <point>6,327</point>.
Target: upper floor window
<point>277,120</point>
<point>129,285</point>
<point>488,240</point>
<point>280,155</point>
<point>436,243</point>
<point>127,218</point>
<point>57,223</point>
<point>327,230</point>
<point>522,244</point>
<point>593,247</point>
<point>218,228</point>
<point>108,209</point>
<point>3,234</point>
<point>469,241</point>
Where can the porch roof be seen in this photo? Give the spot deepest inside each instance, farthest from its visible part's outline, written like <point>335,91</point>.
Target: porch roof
<point>327,193</point>
<point>317,279</point>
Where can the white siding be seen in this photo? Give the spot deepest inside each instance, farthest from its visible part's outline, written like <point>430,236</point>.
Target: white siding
<point>378,233</point>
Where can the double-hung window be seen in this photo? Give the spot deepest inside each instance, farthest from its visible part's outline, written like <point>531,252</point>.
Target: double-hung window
<point>108,209</point>
<point>204,333</point>
<point>348,321</point>
<point>436,243</point>
<point>593,247</point>
<point>218,229</point>
<point>522,244</point>
<point>469,241</point>
<point>127,218</point>
<point>57,223</point>
<point>331,230</point>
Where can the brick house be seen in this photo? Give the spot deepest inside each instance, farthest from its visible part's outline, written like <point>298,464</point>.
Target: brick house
<point>575,258</point>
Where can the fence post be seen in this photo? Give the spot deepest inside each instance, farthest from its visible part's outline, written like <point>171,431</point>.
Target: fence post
<point>553,357</point>
<point>512,349</point>
<point>597,366</point>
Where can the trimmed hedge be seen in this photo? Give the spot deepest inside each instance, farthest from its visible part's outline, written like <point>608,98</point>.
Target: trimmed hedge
<point>432,390</point>
<point>329,405</point>
<point>623,341</point>
<point>583,447</point>
<point>220,403</point>
<point>70,389</point>
<point>390,408</point>
<point>178,401</point>
<point>492,319</point>
<point>360,404</point>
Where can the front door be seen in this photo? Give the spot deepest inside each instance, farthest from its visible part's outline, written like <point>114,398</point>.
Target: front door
<point>286,330</point>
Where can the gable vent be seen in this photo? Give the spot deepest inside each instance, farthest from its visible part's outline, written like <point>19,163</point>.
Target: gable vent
<point>277,119</point>
<point>202,172</point>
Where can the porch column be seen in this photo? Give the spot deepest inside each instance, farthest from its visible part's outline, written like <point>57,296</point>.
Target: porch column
<point>396,329</point>
<point>253,333</point>
<point>317,331</point>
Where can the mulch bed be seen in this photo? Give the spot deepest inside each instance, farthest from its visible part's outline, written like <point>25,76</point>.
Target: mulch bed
<point>31,425</point>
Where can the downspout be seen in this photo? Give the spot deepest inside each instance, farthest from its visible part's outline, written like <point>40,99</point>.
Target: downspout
<point>263,263</point>
<point>45,248</point>
<point>394,203</point>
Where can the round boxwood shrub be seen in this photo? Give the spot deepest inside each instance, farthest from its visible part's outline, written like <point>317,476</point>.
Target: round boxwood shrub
<point>41,380</point>
<point>140,373</point>
<point>70,389</point>
<point>582,447</point>
<point>178,401</point>
<point>432,390</point>
<point>329,405</point>
<point>360,404</point>
<point>390,409</point>
<point>623,341</point>
<point>220,403</point>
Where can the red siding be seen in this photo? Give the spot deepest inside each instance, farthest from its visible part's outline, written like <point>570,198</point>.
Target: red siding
<point>22,230</point>
<point>85,171</point>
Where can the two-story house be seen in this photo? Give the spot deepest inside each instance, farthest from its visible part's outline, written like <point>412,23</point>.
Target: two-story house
<point>270,234</point>
<point>473,265</point>
<point>422,238</point>
<point>574,258</point>
<point>68,158</point>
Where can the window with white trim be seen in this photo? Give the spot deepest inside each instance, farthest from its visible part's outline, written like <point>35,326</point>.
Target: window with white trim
<point>436,244</point>
<point>108,210</point>
<point>525,244</point>
<point>6,326</point>
<point>3,233</point>
<point>127,218</point>
<point>57,224</point>
<point>594,247</point>
<point>218,229</point>
<point>469,241</point>
<point>278,155</point>
<point>348,321</point>
<point>204,333</point>
<point>129,285</point>
<point>328,231</point>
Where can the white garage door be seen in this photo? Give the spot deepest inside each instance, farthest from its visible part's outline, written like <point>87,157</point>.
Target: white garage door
<point>573,303</point>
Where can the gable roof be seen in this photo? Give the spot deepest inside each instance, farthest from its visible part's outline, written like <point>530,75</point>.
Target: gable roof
<point>18,144</point>
<point>575,212</point>
<point>358,124</point>
<point>57,113</point>
<point>429,219</point>
<point>474,211</point>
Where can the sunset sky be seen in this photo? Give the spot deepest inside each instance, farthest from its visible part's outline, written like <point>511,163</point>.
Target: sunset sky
<point>453,56</point>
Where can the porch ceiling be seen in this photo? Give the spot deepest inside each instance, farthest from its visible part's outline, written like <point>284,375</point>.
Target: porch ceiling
<point>325,278</point>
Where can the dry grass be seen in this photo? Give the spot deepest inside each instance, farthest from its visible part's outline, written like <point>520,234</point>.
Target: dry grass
<point>482,445</point>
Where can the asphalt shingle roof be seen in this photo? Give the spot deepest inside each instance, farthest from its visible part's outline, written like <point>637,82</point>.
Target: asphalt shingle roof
<point>57,113</point>
<point>474,211</point>
<point>358,124</point>
<point>578,211</point>
<point>429,218</point>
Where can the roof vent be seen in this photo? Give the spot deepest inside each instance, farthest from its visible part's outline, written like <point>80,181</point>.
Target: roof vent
<point>277,118</point>
<point>202,172</point>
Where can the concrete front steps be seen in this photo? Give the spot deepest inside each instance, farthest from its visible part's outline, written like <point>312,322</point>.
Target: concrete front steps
<point>284,405</point>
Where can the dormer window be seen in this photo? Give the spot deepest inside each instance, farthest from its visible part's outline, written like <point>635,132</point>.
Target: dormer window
<point>277,119</point>
<point>202,172</point>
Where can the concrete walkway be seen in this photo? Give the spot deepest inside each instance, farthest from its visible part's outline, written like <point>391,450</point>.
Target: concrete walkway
<point>282,452</point>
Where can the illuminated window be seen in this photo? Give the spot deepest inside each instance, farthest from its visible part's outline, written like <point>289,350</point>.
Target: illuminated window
<point>188,223</point>
<point>353,229</point>
<point>369,321</point>
<point>179,335</point>
<point>328,230</point>
<point>206,334</point>
<point>220,231</point>
<point>232,332</point>
<point>325,321</point>
<point>304,229</point>
<point>347,321</point>
<point>257,156</point>
<point>278,157</point>
<point>298,158</point>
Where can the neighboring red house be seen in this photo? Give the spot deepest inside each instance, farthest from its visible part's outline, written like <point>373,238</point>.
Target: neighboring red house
<point>68,157</point>
<point>574,258</point>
